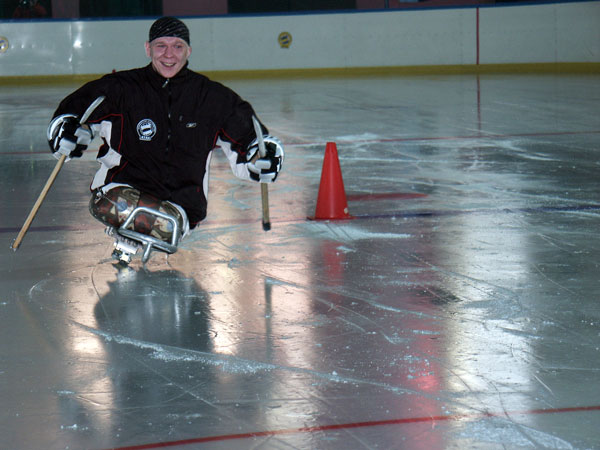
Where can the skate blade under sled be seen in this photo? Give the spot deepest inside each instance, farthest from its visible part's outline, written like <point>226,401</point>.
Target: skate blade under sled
<point>128,241</point>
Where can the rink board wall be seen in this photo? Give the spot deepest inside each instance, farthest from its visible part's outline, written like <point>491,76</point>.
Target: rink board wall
<point>544,33</point>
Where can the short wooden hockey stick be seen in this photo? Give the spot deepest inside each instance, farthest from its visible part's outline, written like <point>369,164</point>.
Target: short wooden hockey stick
<point>264,187</point>
<point>50,182</point>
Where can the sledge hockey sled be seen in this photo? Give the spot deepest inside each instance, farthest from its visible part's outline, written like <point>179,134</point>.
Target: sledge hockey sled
<point>138,221</point>
<point>128,241</point>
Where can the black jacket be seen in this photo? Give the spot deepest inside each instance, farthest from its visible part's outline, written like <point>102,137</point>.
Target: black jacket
<point>158,133</point>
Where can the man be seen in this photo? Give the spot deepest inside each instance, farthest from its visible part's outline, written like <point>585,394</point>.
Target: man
<point>158,125</point>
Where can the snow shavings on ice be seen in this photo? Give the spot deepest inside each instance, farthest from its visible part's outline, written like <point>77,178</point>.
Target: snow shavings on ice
<point>233,364</point>
<point>510,434</point>
<point>349,232</point>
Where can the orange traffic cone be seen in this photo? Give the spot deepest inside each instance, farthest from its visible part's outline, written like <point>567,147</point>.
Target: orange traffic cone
<point>331,201</point>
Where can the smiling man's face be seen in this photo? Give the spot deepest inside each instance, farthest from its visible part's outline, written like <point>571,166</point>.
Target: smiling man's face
<point>168,55</point>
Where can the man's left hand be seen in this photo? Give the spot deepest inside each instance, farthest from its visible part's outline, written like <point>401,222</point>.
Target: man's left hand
<point>265,169</point>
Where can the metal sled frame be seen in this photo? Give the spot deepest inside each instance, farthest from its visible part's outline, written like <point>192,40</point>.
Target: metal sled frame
<point>125,249</point>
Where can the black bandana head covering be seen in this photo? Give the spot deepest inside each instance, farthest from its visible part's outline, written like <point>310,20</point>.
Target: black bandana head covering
<point>169,27</point>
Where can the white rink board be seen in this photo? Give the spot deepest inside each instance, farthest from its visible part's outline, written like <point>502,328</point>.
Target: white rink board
<point>560,32</point>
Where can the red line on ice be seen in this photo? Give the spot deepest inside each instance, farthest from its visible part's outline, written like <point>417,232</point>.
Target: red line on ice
<point>384,196</point>
<point>345,426</point>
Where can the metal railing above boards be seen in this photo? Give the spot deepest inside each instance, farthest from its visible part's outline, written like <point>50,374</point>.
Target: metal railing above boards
<point>76,9</point>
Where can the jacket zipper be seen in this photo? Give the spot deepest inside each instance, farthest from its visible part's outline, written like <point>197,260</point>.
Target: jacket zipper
<point>168,86</point>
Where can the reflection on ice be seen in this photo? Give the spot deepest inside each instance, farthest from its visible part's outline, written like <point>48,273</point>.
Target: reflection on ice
<point>458,310</point>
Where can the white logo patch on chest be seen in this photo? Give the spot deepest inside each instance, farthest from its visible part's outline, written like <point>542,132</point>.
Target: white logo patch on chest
<point>146,129</point>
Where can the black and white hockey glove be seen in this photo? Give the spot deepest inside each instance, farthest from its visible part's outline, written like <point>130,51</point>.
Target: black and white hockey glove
<point>266,169</point>
<point>68,137</point>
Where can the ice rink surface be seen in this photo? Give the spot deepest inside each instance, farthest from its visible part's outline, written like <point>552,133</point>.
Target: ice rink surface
<point>458,309</point>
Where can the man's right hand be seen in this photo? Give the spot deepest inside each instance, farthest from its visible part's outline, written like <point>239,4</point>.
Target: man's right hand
<point>68,137</point>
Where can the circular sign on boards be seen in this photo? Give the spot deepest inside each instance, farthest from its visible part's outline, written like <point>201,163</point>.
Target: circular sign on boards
<point>284,39</point>
<point>3,44</point>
